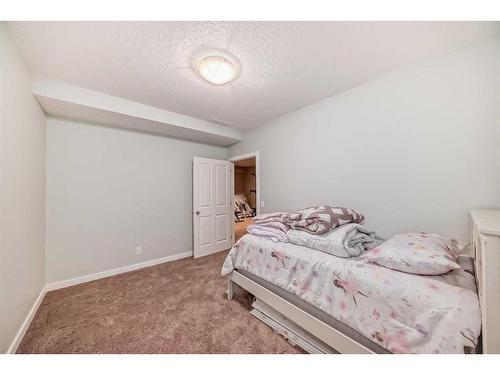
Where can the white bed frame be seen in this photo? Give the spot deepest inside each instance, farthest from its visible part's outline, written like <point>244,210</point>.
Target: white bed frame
<point>311,324</point>
<point>485,252</point>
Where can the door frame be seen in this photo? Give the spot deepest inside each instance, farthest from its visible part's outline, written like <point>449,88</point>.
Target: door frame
<point>250,155</point>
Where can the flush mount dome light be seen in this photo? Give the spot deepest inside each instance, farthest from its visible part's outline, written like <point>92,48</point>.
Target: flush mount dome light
<point>216,67</point>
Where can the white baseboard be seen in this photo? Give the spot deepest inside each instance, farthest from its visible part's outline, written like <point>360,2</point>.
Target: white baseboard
<point>83,279</point>
<point>24,327</point>
<point>115,271</point>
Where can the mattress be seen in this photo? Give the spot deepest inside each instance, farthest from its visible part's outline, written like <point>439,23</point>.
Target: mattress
<point>385,310</point>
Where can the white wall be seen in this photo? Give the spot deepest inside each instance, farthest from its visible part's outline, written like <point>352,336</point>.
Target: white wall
<point>22,193</point>
<point>414,150</point>
<point>111,190</point>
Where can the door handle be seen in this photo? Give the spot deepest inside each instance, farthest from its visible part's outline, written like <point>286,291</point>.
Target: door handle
<point>197,213</point>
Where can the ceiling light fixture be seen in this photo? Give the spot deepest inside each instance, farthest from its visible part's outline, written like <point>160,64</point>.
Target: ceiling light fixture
<point>216,67</point>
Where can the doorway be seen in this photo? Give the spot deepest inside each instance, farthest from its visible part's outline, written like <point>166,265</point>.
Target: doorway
<point>246,192</point>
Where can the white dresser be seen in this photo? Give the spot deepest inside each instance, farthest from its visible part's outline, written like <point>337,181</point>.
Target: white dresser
<point>485,249</point>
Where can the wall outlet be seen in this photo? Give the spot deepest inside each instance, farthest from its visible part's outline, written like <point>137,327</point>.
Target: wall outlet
<point>261,204</point>
<point>138,250</point>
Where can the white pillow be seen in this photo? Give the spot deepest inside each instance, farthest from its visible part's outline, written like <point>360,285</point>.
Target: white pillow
<point>417,253</point>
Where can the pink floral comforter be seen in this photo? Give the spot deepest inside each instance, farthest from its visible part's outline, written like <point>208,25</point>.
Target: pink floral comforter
<point>401,312</point>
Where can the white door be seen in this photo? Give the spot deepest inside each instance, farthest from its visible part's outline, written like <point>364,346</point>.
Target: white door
<point>212,205</point>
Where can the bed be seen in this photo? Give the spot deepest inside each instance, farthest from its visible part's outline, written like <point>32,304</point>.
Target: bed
<point>358,307</point>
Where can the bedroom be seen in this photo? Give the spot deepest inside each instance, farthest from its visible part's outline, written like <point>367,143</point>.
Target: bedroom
<point>312,187</point>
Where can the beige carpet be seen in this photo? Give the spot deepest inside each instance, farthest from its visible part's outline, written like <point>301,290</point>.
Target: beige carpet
<point>176,307</point>
<point>240,228</point>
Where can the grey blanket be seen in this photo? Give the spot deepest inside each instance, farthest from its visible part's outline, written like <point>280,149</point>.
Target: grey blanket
<point>345,241</point>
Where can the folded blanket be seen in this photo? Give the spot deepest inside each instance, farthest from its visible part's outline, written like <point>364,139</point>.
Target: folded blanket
<point>321,219</point>
<point>348,240</point>
<point>272,220</point>
<point>274,216</point>
<point>273,224</point>
<point>273,234</point>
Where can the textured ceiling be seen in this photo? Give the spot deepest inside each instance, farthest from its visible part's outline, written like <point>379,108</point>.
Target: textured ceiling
<point>285,65</point>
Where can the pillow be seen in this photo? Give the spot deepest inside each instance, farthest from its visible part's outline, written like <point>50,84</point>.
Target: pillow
<point>417,253</point>
<point>321,219</point>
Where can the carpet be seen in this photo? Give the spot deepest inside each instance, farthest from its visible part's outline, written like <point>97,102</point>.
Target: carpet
<point>175,307</point>
<point>240,228</point>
